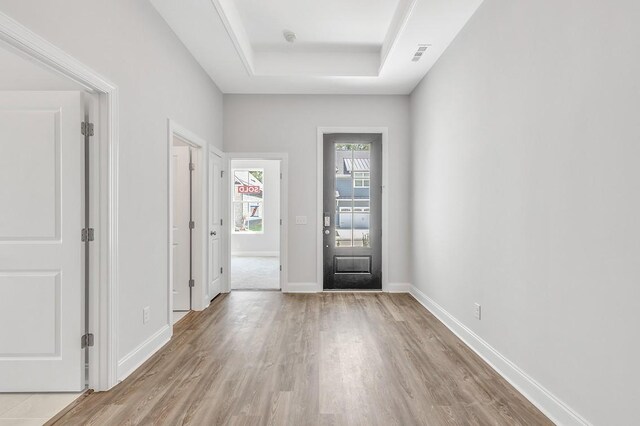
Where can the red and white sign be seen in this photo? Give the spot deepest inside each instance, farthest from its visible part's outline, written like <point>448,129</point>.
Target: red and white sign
<point>249,189</point>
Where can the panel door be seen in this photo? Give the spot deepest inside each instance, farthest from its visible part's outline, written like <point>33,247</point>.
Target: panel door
<point>352,211</point>
<point>41,252</point>
<point>215,225</point>
<point>181,243</point>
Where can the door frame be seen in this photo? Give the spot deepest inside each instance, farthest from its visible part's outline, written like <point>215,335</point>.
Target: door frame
<point>284,212</point>
<point>384,131</point>
<point>200,251</point>
<point>103,356</point>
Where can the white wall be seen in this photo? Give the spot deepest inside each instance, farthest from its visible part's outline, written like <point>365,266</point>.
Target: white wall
<point>288,123</point>
<point>525,156</point>
<point>130,44</point>
<point>20,73</point>
<point>267,243</point>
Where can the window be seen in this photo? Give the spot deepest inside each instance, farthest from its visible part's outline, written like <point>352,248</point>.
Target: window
<point>248,201</point>
<point>361,179</point>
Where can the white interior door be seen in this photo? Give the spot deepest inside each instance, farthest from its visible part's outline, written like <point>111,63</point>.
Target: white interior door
<point>215,227</point>
<point>181,216</point>
<point>41,255</point>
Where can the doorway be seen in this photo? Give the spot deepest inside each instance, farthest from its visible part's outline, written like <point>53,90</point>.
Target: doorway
<point>255,223</point>
<point>192,197</point>
<point>352,211</point>
<point>184,197</point>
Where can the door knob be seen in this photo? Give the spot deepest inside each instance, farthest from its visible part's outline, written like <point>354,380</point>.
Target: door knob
<point>213,233</point>
<point>327,232</point>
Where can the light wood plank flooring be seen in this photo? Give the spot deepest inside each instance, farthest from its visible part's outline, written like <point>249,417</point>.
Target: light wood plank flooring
<point>318,359</point>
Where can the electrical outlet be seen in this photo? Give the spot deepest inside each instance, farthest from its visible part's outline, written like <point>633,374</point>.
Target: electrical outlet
<point>145,314</point>
<point>301,220</point>
<point>477,311</point>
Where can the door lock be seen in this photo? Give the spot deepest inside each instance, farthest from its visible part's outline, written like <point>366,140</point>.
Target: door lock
<point>213,233</point>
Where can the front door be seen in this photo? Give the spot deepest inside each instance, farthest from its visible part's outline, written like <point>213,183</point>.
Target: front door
<point>41,252</point>
<point>352,211</point>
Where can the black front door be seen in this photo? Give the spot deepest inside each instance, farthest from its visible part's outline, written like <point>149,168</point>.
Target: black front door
<point>352,211</point>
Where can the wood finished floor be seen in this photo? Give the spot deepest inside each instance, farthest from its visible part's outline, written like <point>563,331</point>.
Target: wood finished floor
<point>318,359</point>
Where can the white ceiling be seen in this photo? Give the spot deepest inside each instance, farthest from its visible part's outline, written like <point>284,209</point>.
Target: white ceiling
<point>343,46</point>
<point>333,22</point>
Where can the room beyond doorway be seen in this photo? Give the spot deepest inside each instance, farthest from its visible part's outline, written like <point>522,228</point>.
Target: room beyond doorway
<point>255,224</point>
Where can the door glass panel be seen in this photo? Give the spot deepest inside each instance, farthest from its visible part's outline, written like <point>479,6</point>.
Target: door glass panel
<point>352,183</point>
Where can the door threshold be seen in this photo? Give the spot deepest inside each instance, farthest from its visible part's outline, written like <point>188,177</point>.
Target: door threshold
<point>53,420</point>
<point>351,290</point>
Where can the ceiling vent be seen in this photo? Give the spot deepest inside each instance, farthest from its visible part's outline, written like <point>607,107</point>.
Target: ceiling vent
<point>421,49</point>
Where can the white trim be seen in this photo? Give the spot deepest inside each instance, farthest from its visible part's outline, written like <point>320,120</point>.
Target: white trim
<point>301,288</point>
<point>199,300</point>
<point>255,253</point>
<point>399,287</point>
<point>284,210</point>
<point>396,28</point>
<point>559,412</point>
<point>385,198</point>
<point>134,359</point>
<point>104,355</point>
<point>237,33</point>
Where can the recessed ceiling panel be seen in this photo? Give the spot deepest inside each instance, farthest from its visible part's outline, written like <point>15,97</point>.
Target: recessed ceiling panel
<point>341,46</point>
<point>328,23</point>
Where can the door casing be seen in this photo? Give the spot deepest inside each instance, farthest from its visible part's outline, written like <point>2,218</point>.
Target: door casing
<point>384,131</point>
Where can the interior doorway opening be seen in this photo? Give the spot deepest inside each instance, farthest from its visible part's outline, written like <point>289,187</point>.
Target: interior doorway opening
<point>255,221</point>
<point>186,202</point>
<point>52,236</point>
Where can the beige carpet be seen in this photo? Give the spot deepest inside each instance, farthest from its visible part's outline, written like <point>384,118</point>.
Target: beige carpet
<point>255,273</point>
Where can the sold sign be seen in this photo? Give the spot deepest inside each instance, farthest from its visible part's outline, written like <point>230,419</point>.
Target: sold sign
<point>249,189</point>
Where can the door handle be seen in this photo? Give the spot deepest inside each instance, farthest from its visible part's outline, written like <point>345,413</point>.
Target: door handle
<point>327,232</point>
<point>213,233</point>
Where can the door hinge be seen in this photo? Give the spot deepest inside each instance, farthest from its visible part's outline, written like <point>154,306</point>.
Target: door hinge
<point>86,128</point>
<point>86,340</point>
<point>192,224</point>
<point>221,173</point>
<point>220,222</point>
<point>280,175</point>
<point>192,283</point>
<point>192,166</point>
<point>87,234</point>
<point>280,221</point>
<point>280,268</point>
<point>221,270</point>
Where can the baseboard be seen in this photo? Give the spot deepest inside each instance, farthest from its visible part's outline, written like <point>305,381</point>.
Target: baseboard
<point>548,403</point>
<point>314,288</point>
<point>134,359</point>
<point>301,288</point>
<point>398,287</point>
<point>255,253</point>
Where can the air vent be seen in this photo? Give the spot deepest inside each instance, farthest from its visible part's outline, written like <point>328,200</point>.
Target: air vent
<point>421,49</point>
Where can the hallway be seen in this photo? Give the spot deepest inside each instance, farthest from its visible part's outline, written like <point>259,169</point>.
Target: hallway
<point>293,359</point>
